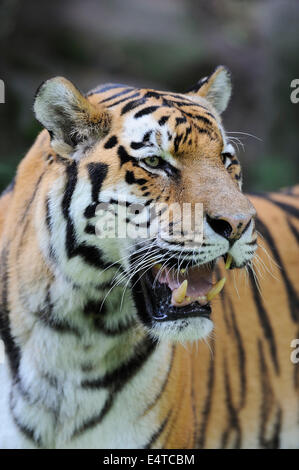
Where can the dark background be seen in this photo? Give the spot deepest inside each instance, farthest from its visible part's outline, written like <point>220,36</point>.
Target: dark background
<point>168,44</point>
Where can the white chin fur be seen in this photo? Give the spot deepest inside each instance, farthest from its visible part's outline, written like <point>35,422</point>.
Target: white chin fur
<point>183,331</point>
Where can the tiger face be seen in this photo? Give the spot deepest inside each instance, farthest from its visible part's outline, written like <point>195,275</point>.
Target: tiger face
<point>139,150</point>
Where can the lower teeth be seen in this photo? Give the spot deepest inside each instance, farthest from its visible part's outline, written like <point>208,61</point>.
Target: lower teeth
<point>216,289</point>
<point>179,294</point>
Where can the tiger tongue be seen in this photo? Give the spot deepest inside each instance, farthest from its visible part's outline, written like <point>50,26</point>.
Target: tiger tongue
<point>188,286</point>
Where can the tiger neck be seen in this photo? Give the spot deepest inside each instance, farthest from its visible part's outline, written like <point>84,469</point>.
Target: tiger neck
<point>71,374</point>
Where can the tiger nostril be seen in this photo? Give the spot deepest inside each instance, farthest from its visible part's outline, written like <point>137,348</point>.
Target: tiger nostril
<point>220,226</point>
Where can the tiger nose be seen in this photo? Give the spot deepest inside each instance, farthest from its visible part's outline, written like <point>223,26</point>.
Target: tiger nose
<point>230,227</point>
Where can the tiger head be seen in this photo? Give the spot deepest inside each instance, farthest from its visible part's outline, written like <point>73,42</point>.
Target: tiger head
<point>137,149</point>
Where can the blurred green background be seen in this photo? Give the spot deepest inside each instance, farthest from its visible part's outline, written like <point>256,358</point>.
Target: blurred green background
<point>168,44</point>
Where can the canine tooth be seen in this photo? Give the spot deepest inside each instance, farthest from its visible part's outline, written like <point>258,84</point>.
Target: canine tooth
<point>180,292</point>
<point>216,289</point>
<point>228,261</point>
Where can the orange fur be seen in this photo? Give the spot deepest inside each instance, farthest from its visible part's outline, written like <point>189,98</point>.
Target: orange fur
<point>204,401</point>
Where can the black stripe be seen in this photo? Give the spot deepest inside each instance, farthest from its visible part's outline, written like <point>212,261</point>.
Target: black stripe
<point>130,179</point>
<point>116,380</point>
<point>101,326</point>
<point>233,424</point>
<point>138,145</point>
<point>132,105</point>
<point>27,431</point>
<point>159,431</point>
<point>120,376</point>
<point>153,94</point>
<point>90,211</point>
<point>51,250</point>
<point>163,120</point>
<point>292,295</point>
<point>48,319</point>
<point>90,254</point>
<point>197,117</point>
<point>103,88</point>
<point>90,229</point>
<point>223,299</point>
<point>179,104</point>
<point>31,200</point>
<point>293,229</point>
<point>96,310</point>
<point>291,210</point>
<point>194,407</point>
<point>202,119</point>
<point>48,215</point>
<point>116,95</point>
<point>165,382</point>
<point>264,321</point>
<point>267,404</point>
<point>177,141</point>
<point>95,420</point>
<point>111,142</point>
<point>58,325</point>
<point>241,356</point>
<point>203,131</point>
<point>123,100</point>
<point>97,174</point>
<point>11,348</point>
<point>194,89</point>
<point>207,405</point>
<point>288,208</point>
<point>72,178</point>
<point>124,156</point>
<point>187,133</point>
<point>180,120</point>
<point>145,111</point>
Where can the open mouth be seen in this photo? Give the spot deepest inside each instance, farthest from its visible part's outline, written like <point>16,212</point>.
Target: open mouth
<point>168,294</point>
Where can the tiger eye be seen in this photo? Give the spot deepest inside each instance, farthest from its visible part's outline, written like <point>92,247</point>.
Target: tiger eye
<point>152,161</point>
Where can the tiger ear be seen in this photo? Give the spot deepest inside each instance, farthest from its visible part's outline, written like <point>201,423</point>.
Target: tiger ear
<point>68,116</point>
<point>215,88</point>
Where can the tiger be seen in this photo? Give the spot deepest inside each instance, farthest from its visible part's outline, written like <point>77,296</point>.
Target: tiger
<point>150,342</point>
